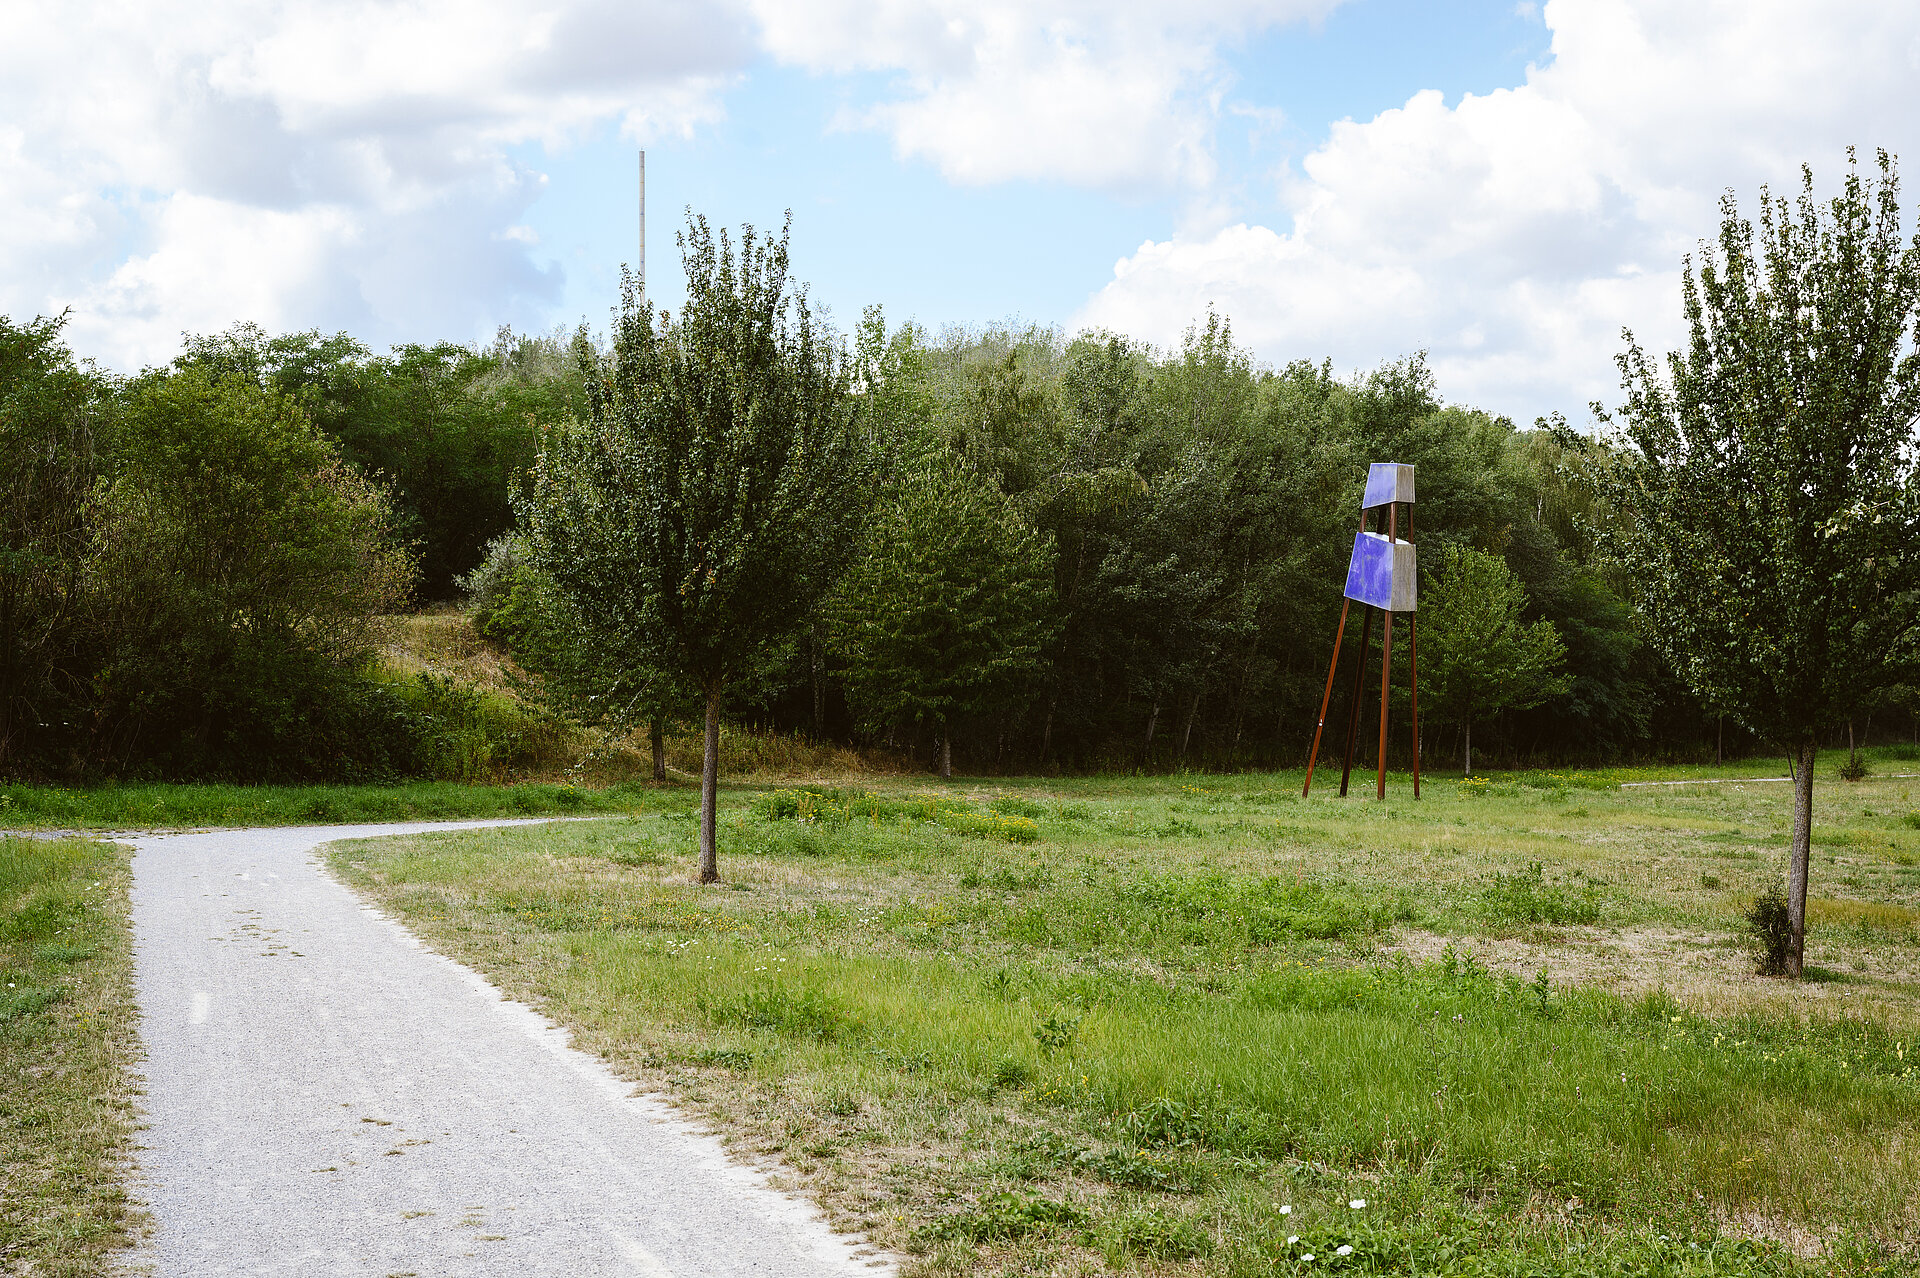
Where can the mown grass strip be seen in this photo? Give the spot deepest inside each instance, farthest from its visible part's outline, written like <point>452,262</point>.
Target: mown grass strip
<point>159,805</point>
<point>67,1050</point>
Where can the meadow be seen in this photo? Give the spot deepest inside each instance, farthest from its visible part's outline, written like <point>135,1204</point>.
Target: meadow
<point>1185,1024</point>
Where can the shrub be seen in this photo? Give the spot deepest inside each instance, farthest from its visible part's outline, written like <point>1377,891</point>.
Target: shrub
<point>1770,931</point>
<point>1854,769</point>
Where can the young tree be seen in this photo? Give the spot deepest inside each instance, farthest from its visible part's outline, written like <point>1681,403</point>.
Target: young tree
<point>1477,657</point>
<point>717,487</point>
<point>946,615</point>
<point>1771,474</point>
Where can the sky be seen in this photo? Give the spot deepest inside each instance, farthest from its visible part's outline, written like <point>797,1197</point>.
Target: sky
<point>1503,186</point>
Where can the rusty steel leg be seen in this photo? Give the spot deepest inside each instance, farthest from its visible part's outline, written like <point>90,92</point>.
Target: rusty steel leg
<point>1338,635</point>
<point>1353,711</point>
<point>1413,680</point>
<point>1386,670</point>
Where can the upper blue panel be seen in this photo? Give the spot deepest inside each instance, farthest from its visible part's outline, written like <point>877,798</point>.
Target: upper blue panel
<point>1387,482</point>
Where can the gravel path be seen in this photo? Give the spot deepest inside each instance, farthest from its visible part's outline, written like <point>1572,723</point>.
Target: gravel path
<point>327,1097</point>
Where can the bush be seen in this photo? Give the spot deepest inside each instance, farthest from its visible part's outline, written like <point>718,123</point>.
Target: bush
<point>1854,769</point>
<point>1770,931</point>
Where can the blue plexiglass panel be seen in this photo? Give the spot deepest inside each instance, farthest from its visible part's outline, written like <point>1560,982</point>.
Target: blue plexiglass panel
<point>1387,481</point>
<point>1382,573</point>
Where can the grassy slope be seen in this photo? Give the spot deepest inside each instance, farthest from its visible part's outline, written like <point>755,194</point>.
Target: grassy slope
<point>1193,1001</point>
<point>67,1047</point>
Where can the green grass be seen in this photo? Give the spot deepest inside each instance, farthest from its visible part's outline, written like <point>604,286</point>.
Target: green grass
<point>162,805</point>
<point>1514,1017</point>
<point>67,1046</point>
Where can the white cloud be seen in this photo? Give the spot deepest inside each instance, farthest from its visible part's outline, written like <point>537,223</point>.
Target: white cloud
<point>313,163</point>
<point>1514,234</point>
<point>1121,95</point>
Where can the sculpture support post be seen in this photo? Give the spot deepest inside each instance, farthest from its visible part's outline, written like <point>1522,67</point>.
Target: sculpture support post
<point>1413,680</point>
<point>1326,696</point>
<point>1386,669</point>
<point>1359,686</point>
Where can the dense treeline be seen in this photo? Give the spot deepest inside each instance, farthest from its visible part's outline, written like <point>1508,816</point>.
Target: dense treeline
<point>1198,509</point>
<point>191,559</point>
<point>1083,553</point>
<point>1089,553</point>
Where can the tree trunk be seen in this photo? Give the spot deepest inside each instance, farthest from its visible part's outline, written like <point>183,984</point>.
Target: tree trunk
<point>1186,737</point>
<point>1853,751</point>
<point>818,663</point>
<point>1800,856</point>
<point>710,791</point>
<point>946,754</point>
<point>1469,747</point>
<point>1046,732</point>
<point>1720,741</point>
<point>1146,750</point>
<point>657,738</point>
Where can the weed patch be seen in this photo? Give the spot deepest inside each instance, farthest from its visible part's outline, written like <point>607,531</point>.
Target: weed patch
<point>1526,897</point>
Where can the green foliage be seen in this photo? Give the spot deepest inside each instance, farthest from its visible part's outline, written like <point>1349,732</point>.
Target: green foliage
<point>53,414</point>
<point>1477,657</point>
<point>1770,472</point>
<point>239,564</point>
<point>836,807</point>
<point>716,488</point>
<point>1156,1233</point>
<point>945,616</point>
<point>452,429</point>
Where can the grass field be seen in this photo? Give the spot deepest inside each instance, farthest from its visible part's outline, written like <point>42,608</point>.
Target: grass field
<point>67,1049</point>
<point>1182,1024</point>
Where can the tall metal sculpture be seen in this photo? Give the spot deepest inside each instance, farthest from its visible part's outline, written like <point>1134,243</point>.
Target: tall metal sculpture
<point>1381,575</point>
